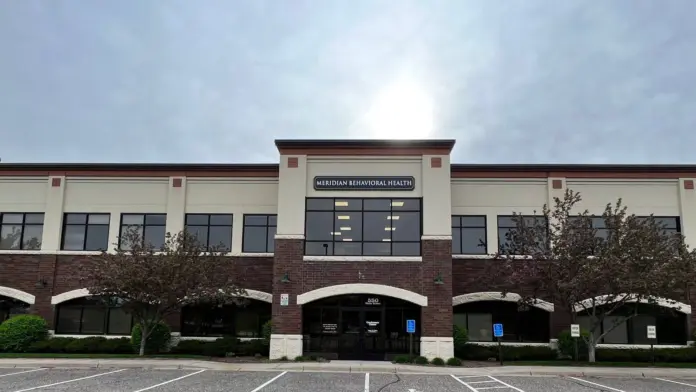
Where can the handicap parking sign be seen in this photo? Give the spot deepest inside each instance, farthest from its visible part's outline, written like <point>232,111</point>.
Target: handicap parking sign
<point>410,326</point>
<point>498,330</point>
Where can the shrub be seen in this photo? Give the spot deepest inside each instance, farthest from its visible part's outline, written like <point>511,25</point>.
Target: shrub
<point>403,359</point>
<point>190,347</point>
<point>88,345</point>
<point>566,344</point>
<point>18,333</point>
<point>686,354</point>
<point>421,361</point>
<point>510,353</point>
<point>53,345</point>
<point>283,358</point>
<point>454,362</point>
<point>117,346</point>
<point>157,342</point>
<point>460,338</point>
<point>266,330</point>
<point>438,362</point>
<point>300,358</point>
<point>253,347</point>
<point>221,347</point>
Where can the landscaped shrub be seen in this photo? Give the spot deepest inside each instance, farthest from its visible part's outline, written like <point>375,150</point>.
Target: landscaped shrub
<point>190,347</point>
<point>300,358</point>
<point>510,353</point>
<point>454,362</point>
<point>421,361</point>
<point>88,345</point>
<point>221,347</point>
<point>566,345</point>
<point>403,359</point>
<point>438,362</point>
<point>686,354</point>
<point>266,330</point>
<point>253,347</point>
<point>18,333</point>
<point>477,352</point>
<point>157,342</point>
<point>53,345</point>
<point>460,338</point>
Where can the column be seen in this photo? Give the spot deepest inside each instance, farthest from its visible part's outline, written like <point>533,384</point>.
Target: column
<point>176,205</point>
<point>687,209</point>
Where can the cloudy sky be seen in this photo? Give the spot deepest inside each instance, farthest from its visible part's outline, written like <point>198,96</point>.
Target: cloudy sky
<point>514,81</point>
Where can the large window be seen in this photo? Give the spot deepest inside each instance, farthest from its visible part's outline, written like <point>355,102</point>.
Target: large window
<point>522,323</point>
<point>21,231</point>
<point>367,227</point>
<point>670,224</point>
<point>85,232</point>
<point>469,235</point>
<point>212,230</point>
<point>92,316</point>
<point>259,233</point>
<point>150,227</point>
<point>243,321</point>
<point>507,231</point>
<point>11,307</point>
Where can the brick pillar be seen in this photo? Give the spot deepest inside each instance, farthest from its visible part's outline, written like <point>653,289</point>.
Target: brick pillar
<point>436,318</point>
<point>44,283</point>
<point>559,320</point>
<point>691,319</point>
<point>286,338</point>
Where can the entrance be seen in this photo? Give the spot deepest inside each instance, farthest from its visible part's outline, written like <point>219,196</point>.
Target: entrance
<point>359,327</point>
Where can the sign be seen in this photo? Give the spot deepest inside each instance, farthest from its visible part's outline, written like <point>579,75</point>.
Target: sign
<point>284,299</point>
<point>372,327</point>
<point>498,330</point>
<point>410,326</point>
<point>652,332</point>
<point>329,328</point>
<point>575,330</point>
<point>372,301</point>
<point>366,183</point>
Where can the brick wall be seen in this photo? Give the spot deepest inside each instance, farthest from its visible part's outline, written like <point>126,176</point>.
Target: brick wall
<point>287,320</point>
<point>436,318</point>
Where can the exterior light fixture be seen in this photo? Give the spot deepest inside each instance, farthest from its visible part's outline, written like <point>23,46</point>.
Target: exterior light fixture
<point>285,278</point>
<point>41,283</point>
<point>438,279</point>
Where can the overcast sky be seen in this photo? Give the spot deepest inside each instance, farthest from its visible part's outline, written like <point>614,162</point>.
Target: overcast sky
<point>217,81</point>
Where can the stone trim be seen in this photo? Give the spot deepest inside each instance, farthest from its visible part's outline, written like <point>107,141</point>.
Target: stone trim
<point>513,344</point>
<point>362,288</point>
<point>289,346</point>
<point>478,257</point>
<point>436,238</point>
<point>498,296</point>
<point>437,348</point>
<point>254,254</point>
<point>363,258</point>
<point>289,236</point>
<point>80,293</point>
<point>259,295</point>
<point>664,302</point>
<point>17,294</point>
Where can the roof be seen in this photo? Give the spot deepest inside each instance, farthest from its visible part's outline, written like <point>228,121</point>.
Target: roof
<point>364,146</point>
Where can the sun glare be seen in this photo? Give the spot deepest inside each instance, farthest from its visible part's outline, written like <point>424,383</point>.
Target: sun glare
<point>402,110</point>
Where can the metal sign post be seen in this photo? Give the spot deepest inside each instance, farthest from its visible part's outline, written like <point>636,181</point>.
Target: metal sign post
<point>652,335</point>
<point>410,329</point>
<point>498,333</point>
<point>575,334</point>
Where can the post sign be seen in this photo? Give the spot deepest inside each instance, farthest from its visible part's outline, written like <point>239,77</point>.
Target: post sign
<point>575,330</point>
<point>366,183</point>
<point>652,332</point>
<point>284,299</point>
<point>410,326</point>
<point>498,330</point>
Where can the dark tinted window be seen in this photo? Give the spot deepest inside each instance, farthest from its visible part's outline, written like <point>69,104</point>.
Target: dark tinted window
<point>86,232</point>
<point>507,227</point>
<point>259,233</point>
<point>21,231</point>
<point>150,227</point>
<point>92,316</point>
<point>212,230</point>
<point>469,235</point>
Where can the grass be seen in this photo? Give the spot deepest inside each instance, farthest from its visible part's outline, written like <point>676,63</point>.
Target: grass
<point>684,365</point>
<point>99,356</point>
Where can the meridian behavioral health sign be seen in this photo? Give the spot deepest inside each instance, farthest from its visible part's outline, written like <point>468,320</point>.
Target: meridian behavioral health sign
<point>369,183</point>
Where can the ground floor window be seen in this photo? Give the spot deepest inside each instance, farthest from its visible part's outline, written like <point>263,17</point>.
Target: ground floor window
<point>92,316</point>
<point>521,323</point>
<point>10,307</point>
<point>244,320</point>
<point>670,325</point>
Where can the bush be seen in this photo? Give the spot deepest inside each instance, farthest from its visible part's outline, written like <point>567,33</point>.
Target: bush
<point>566,344</point>
<point>221,347</point>
<point>253,347</point>
<point>510,353</point>
<point>117,346</point>
<point>190,347</point>
<point>18,333</point>
<point>454,362</point>
<point>421,361</point>
<point>300,358</point>
<point>438,362</point>
<point>403,359</point>
<point>53,345</point>
<point>266,330</point>
<point>88,345</point>
<point>157,342</point>
<point>686,354</point>
<point>460,338</point>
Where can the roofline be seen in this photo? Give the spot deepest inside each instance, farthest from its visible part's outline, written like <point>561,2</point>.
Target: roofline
<point>141,166</point>
<point>361,143</point>
<point>621,168</point>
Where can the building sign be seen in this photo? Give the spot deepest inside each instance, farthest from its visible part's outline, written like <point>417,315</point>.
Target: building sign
<point>284,299</point>
<point>372,327</point>
<point>368,183</point>
<point>329,328</point>
<point>372,301</point>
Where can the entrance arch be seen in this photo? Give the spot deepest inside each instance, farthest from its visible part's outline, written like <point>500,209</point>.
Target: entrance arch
<point>498,296</point>
<point>17,294</point>
<point>362,288</point>
<point>80,293</point>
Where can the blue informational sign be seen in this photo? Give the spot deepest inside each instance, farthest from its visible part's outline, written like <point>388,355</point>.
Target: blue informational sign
<point>410,326</point>
<point>498,330</point>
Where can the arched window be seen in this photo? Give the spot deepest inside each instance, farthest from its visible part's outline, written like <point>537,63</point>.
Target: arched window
<point>243,321</point>
<point>10,307</point>
<point>92,316</point>
<point>521,323</point>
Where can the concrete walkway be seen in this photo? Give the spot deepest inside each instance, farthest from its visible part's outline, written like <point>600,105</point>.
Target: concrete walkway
<point>348,367</point>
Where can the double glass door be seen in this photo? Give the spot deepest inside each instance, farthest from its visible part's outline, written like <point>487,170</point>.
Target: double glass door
<point>362,334</point>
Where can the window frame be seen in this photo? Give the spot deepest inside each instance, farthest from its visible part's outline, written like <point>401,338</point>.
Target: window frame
<point>484,250</point>
<point>86,226</point>
<point>143,226</point>
<point>23,225</point>
<point>83,306</point>
<point>524,216</point>
<point>362,212</point>
<point>267,226</point>
<point>208,225</point>
<point>261,310</point>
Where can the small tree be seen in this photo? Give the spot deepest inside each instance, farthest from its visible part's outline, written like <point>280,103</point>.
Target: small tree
<point>566,258</point>
<point>153,283</point>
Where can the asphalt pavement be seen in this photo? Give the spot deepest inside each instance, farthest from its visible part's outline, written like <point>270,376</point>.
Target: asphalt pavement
<point>205,380</point>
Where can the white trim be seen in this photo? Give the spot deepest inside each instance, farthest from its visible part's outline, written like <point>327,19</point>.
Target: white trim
<point>17,294</point>
<point>289,346</point>
<point>254,255</point>
<point>259,295</point>
<point>480,257</point>
<point>90,336</point>
<point>620,346</point>
<point>436,347</point>
<point>289,236</point>
<point>663,302</point>
<point>362,288</point>
<point>498,296</point>
<point>80,293</point>
<point>363,258</point>
<point>512,344</point>
<point>436,238</point>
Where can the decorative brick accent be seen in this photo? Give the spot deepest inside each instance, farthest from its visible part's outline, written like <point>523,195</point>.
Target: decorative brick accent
<point>557,184</point>
<point>436,162</point>
<point>688,184</point>
<point>436,318</point>
<point>176,183</point>
<point>293,162</point>
<point>55,182</point>
<point>287,320</point>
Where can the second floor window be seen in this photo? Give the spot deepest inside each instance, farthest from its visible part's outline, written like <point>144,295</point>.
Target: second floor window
<point>259,233</point>
<point>507,226</point>
<point>212,230</point>
<point>21,231</point>
<point>150,227</point>
<point>469,235</point>
<point>85,232</point>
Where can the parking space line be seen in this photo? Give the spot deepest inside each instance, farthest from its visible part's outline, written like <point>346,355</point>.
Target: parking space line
<point>170,381</point>
<point>463,383</point>
<point>498,387</point>
<point>69,381</point>
<point>597,385</point>
<point>367,382</point>
<point>26,371</point>
<point>491,379</point>
<point>260,387</point>
<point>676,382</point>
<point>506,384</point>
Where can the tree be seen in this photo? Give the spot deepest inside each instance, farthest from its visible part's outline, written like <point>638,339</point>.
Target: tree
<point>564,256</point>
<point>153,283</point>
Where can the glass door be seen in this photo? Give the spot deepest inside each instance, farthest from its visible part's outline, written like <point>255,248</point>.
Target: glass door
<point>373,335</point>
<point>351,334</point>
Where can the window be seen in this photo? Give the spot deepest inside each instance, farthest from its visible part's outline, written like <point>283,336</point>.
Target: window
<point>86,232</point>
<point>92,316</point>
<point>363,227</point>
<point>150,227</point>
<point>10,307</point>
<point>522,323</point>
<point>507,229</point>
<point>469,235</point>
<point>21,231</point>
<point>244,321</point>
<point>211,229</point>
<point>671,224</point>
<point>259,233</point>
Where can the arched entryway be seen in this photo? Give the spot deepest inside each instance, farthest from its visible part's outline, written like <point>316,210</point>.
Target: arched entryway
<point>13,302</point>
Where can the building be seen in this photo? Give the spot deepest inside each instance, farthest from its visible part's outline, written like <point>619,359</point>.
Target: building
<point>339,244</point>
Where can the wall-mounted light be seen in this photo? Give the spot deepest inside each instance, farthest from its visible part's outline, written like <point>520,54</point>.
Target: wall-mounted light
<point>285,278</point>
<point>41,283</point>
<point>438,279</point>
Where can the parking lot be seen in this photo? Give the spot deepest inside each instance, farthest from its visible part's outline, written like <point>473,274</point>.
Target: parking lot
<point>140,380</point>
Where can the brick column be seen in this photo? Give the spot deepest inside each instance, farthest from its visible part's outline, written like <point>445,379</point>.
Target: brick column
<point>436,318</point>
<point>43,292</point>
<point>286,338</point>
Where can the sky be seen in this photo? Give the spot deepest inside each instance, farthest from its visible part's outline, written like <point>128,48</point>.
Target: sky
<point>513,81</point>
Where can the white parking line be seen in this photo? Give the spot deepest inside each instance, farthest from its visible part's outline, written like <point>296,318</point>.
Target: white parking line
<point>260,387</point>
<point>367,382</point>
<point>598,385</point>
<point>65,382</point>
<point>676,382</point>
<point>167,382</point>
<point>506,384</point>
<point>503,385</point>
<point>26,371</point>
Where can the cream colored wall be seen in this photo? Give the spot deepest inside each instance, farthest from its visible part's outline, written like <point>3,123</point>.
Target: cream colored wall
<point>642,197</point>
<point>23,194</point>
<point>437,197</point>
<point>687,208</point>
<point>292,183</point>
